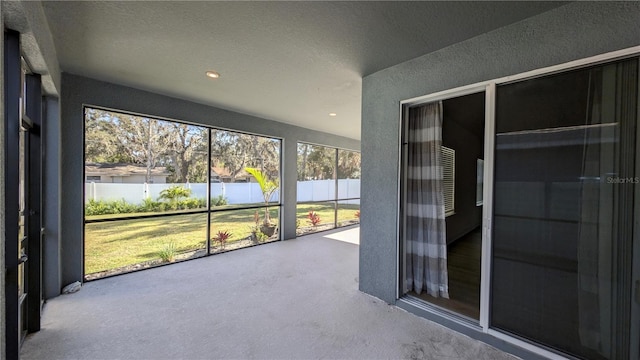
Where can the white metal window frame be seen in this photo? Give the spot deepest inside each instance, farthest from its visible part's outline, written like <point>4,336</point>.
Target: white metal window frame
<point>479,182</point>
<point>449,174</point>
<point>489,88</point>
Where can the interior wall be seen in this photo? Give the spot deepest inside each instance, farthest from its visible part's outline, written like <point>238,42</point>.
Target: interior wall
<point>571,32</point>
<point>78,91</point>
<point>463,131</point>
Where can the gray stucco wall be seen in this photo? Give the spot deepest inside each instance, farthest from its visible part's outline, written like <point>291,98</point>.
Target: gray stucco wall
<point>78,91</point>
<point>571,32</point>
<point>50,188</point>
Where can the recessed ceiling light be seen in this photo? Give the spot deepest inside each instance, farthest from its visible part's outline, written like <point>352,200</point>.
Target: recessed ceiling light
<point>213,74</point>
<point>333,114</point>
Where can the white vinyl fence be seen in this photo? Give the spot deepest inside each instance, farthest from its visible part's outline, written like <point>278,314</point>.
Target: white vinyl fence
<point>318,190</point>
<point>235,193</point>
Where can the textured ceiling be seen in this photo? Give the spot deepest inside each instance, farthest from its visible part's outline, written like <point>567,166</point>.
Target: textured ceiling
<point>293,62</point>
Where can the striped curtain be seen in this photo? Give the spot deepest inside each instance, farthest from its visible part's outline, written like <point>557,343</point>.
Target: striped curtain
<point>426,246</point>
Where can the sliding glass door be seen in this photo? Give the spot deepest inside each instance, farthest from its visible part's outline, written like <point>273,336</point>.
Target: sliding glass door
<point>521,212</point>
<point>442,212</point>
<point>565,154</point>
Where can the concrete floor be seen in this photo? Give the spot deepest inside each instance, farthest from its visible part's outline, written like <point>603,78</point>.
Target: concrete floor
<point>295,299</point>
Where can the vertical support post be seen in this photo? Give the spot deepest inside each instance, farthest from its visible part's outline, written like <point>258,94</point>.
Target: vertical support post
<point>209,191</point>
<point>288,188</point>
<point>33,109</point>
<point>336,193</point>
<point>145,190</point>
<point>51,218</point>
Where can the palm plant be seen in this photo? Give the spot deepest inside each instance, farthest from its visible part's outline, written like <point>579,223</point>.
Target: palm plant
<point>174,194</point>
<point>268,187</point>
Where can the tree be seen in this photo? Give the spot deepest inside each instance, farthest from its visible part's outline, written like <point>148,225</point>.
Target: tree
<point>303,153</point>
<point>321,163</point>
<point>120,138</point>
<point>101,145</point>
<point>236,151</point>
<point>187,153</point>
<point>348,164</point>
<point>315,162</point>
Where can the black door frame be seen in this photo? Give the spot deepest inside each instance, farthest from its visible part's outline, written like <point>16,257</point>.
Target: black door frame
<point>31,122</point>
<point>12,78</point>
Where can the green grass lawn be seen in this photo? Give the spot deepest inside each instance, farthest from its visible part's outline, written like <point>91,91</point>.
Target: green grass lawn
<point>326,213</point>
<point>115,244</point>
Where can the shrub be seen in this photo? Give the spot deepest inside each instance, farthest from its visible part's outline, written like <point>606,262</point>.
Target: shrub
<point>191,204</point>
<point>99,207</point>
<point>123,207</point>
<point>219,200</point>
<point>314,218</point>
<point>148,205</point>
<point>174,195</point>
<point>260,236</point>
<point>102,207</point>
<point>168,252</point>
<point>222,237</point>
<point>256,234</point>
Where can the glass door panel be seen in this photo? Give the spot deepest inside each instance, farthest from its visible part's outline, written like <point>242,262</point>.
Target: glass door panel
<point>443,237</point>
<point>564,162</point>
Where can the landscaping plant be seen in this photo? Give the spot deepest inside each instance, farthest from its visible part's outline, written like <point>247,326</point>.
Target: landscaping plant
<point>268,187</point>
<point>174,195</point>
<point>168,252</point>
<point>218,201</point>
<point>314,218</point>
<point>222,237</point>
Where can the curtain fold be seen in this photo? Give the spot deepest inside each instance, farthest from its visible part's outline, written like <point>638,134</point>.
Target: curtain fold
<point>426,247</point>
<point>594,226</point>
<point>606,178</point>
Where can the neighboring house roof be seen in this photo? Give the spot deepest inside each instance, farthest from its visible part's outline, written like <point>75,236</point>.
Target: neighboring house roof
<point>94,169</point>
<point>225,173</point>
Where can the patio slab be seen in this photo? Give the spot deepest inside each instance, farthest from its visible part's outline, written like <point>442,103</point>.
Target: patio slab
<point>295,299</point>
